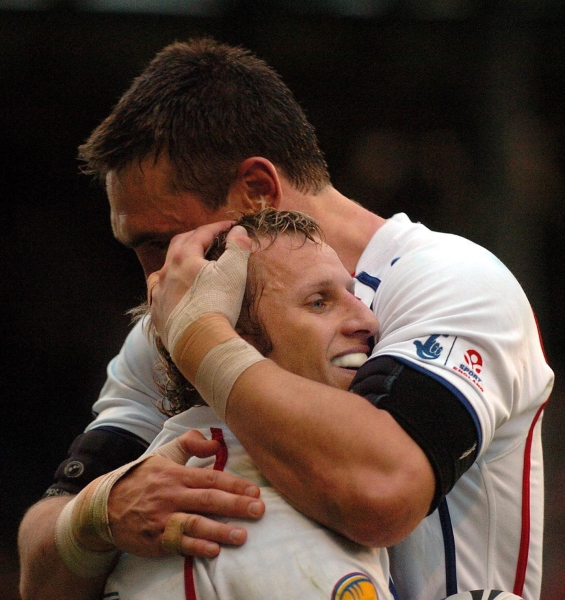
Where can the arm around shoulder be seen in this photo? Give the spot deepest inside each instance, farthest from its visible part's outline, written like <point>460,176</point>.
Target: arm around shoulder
<point>332,454</point>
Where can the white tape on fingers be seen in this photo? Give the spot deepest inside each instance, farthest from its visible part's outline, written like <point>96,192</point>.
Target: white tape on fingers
<point>218,287</point>
<point>174,530</point>
<point>174,451</point>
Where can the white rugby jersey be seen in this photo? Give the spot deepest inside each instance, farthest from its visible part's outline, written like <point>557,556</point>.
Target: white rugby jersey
<point>450,308</point>
<point>286,555</point>
<point>129,398</point>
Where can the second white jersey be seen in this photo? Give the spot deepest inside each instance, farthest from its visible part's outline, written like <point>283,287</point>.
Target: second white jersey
<point>286,555</point>
<point>451,309</point>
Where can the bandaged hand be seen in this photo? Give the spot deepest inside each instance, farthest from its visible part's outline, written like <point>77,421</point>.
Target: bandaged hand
<point>219,287</point>
<point>199,331</point>
<point>223,280</point>
<point>82,533</point>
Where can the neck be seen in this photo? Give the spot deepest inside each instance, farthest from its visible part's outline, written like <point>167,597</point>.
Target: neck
<point>347,226</point>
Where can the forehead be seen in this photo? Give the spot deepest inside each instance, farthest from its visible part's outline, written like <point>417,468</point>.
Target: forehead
<point>139,186</point>
<point>144,206</point>
<point>291,264</point>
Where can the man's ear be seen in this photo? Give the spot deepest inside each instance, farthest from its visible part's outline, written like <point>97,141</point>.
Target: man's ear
<point>257,185</point>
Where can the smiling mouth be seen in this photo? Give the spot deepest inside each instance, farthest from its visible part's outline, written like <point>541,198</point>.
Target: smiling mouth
<point>350,361</point>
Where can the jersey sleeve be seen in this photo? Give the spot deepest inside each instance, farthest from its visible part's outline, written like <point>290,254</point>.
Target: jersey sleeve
<point>429,413</point>
<point>455,313</point>
<point>129,399</point>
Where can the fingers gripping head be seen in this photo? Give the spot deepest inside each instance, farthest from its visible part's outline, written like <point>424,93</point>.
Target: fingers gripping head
<point>262,228</point>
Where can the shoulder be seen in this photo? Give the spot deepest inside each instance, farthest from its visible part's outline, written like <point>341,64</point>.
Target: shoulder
<point>138,347</point>
<point>449,277</point>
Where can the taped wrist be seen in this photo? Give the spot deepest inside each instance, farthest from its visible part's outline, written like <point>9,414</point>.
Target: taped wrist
<point>212,356</point>
<point>220,369</point>
<point>219,287</point>
<point>82,532</point>
<point>79,559</point>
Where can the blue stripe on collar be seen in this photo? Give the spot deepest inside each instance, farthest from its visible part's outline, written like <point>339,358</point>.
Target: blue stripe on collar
<point>369,280</point>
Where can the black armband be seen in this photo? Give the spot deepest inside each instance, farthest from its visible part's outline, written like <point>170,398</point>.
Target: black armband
<point>428,411</point>
<point>92,454</point>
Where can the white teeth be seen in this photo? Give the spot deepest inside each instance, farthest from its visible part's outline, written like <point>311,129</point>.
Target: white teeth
<point>350,361</point>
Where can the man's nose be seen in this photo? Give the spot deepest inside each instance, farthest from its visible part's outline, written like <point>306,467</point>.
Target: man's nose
<point>359,319</point>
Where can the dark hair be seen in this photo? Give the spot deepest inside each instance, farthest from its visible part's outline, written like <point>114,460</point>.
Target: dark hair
<point>207,107</point>
<point>264,228</point>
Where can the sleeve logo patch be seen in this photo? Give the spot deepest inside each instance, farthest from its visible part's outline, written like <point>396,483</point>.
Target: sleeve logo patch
<point>473,366</point>
<point>474,360</point>
<point>431,348</point>
<point>469,364</point>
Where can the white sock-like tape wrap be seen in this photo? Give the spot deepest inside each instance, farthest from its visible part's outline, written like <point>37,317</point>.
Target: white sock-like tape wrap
<point>219,287</point>
<point>81,560</point>
<point>219,370</point>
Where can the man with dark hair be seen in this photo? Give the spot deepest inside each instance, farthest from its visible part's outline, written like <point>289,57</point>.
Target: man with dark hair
<point>437,447</point>
<point>207,107</point>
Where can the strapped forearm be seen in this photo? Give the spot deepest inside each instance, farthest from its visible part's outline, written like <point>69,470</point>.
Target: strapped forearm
<point>219,287</point>
<point>212,356</point>
<point>43,574</point>
<point>199,332</point>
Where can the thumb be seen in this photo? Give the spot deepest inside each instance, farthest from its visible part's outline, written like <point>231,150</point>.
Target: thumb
<point>194,443</point>
<point>191,443</point>
<point>238,235</point>
<point>174,451</point>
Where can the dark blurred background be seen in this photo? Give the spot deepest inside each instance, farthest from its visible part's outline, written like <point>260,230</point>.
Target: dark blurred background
<point>449,110</point>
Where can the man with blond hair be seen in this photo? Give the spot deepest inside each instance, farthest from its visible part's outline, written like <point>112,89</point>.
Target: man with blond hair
<point>289,272</point>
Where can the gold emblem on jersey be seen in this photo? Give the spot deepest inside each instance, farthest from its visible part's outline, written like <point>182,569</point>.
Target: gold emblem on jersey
<point>355,586</point>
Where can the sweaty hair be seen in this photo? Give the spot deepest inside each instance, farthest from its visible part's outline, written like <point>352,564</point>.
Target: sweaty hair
<point>207,107</point>
<point>263,228</point>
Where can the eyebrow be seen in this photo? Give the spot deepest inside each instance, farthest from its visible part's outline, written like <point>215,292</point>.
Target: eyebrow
<point>314,285</point>
<point>325,283</point>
